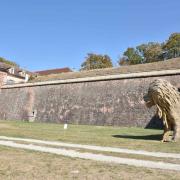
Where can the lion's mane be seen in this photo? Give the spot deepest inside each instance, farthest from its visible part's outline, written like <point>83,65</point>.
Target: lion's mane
<point>164,94</point>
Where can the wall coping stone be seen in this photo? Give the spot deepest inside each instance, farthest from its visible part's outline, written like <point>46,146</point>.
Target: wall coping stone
<point>97,78</point>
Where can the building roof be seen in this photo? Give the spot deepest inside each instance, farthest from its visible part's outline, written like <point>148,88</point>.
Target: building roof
<point>5,67</point>
<point>156,66</point>
<point>53,71</point>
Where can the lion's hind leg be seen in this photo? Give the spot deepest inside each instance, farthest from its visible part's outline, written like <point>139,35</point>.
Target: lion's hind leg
<point>176,133</point>
<point>166,134</point>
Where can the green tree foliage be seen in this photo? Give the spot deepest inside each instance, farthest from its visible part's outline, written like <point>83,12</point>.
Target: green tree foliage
<point>144,53</point>
<point>150,52</point>
<point>11,63</point>
<point>130,56</point>
<point>95,61</point>
<point>172,46</point>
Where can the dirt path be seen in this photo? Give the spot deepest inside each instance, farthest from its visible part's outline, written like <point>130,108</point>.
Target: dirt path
<point>97,148</point>
<point>96,157</point>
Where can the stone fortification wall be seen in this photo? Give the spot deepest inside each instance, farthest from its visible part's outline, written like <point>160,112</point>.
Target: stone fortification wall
<point>109,100</point>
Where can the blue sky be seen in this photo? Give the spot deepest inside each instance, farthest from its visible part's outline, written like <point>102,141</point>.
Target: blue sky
<point>45,34</point>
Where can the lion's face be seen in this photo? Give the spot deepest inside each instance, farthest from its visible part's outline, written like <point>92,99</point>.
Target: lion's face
<point>149,100</point>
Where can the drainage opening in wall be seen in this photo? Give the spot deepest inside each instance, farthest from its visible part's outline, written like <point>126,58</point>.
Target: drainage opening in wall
<point>32,116</point>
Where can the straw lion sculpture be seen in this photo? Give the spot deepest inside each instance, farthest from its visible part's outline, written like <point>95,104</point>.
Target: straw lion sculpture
<point>166,98</point>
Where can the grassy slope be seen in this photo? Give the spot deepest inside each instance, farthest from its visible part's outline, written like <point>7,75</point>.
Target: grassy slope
<point>132,138</point>
<point>156,66</point>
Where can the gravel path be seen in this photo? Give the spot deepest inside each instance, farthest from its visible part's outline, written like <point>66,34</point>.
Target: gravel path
<point>97,148</point>
<point>97,157</point>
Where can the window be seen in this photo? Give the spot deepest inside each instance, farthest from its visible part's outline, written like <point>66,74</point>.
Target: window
<point>22,73</point>
<point>11,70</point>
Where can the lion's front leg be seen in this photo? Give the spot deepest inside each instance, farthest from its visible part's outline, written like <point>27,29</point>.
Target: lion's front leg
<point>167,128</point>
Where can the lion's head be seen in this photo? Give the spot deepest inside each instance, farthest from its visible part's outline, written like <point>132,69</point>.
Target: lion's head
<point>163,94</point>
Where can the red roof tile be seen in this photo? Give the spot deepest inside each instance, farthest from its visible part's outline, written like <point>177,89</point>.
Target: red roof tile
<point>53,71</point>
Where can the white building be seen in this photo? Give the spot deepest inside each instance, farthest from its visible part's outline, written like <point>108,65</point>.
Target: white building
<point>11,74</point>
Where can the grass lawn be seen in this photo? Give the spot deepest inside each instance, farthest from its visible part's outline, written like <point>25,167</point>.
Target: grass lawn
<point>18,164</point>
<point>132,138</point>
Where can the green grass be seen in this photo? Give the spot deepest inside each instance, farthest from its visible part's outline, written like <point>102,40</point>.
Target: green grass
<point>132,138</point>
<point>27,164</point>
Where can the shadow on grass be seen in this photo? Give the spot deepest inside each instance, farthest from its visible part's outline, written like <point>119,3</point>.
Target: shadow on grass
<point>156,137</point>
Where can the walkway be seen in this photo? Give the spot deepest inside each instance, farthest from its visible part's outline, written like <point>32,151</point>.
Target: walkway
<point>12,142</point>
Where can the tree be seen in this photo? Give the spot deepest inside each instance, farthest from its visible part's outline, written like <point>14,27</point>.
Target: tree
<point>172,46</point>
<point>11,63</point>
<point>150,52</point>
<point>130,56</point>
<point>95,61</point>
<point>124,61</point>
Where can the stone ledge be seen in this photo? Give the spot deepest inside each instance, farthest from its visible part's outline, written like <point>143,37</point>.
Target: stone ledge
<point>97,78</point>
